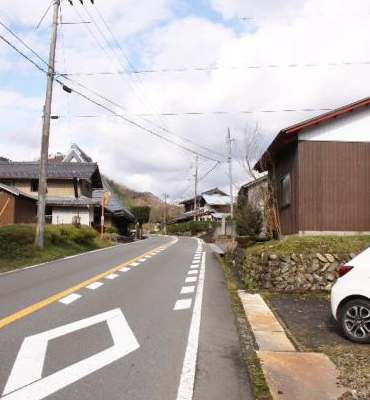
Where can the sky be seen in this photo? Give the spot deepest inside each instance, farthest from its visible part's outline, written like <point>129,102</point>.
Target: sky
<point>239,57</point>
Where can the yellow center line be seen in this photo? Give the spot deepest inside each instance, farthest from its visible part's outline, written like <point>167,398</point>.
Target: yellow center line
<point>43,303</point>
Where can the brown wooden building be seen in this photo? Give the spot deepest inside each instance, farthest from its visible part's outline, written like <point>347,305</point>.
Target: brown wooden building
<point>320,169</point>
<point>16,206</point>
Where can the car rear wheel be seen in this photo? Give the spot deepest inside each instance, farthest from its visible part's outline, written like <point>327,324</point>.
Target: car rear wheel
<point>354,320</point>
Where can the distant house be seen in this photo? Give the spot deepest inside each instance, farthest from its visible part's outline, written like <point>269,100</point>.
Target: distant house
<point>69,189</point>
<point>16,206</point>
<point>74,192</point>
<point>320,169</point>
<point>212,205</point>
<point>116,213</point>
<point>251,193</point>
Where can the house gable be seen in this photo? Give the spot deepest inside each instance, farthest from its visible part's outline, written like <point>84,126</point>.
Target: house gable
<point>350,127</point>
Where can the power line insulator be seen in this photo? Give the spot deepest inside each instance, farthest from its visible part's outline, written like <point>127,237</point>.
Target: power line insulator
<point>67,89</point>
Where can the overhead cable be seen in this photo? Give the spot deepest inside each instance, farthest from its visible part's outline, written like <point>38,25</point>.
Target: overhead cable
<point>94,92</point>
<point>223,68</point>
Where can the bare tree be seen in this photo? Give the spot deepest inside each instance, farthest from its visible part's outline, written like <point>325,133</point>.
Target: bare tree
<point>264,193</point>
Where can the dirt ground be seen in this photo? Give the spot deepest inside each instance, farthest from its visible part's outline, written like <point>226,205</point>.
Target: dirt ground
<point>310,323</point>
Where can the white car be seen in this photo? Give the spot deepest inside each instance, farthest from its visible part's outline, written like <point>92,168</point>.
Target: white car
<point>350,298</point>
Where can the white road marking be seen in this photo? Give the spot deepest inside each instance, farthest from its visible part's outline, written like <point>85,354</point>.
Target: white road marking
<point>135,264</point>
<point>94,285</point>
<point>191,279</point>
<point>196,266</point>
<point>187,289</point>
<point>182,304</point>
<point>186,386</point>
<point>70,298</point>
<point>26,381</point>
<point>148,256</point>
<point>112,276</point>
<point>193,272</point>
<point>142,259</point>
<point>125,269</point>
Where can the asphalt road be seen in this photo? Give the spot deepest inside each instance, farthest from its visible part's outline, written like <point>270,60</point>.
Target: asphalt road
<point>149,320</point>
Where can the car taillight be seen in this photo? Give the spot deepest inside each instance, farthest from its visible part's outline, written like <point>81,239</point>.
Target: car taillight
<point>344,269</point>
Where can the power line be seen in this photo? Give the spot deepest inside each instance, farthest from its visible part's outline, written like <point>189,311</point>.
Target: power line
<point>137,124</point>
<point>287,16</point>
<point>200,179</point>
<point>140,95</point>
<point>225,68</point>
<point>242,18</point>
<point>45,14</point>
<point>117,105</point>
<point>170,114</point>
<point>202,113</point>
<point>94,92</point>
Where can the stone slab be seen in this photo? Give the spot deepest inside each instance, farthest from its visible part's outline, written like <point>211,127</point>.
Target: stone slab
<point>259,315</point>
<point>300,376</point>
<point>273,341</point>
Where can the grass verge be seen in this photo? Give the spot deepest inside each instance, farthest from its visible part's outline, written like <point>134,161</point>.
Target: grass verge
<point>17,249</point>
<point>312,244</point>
<point>260,387</point>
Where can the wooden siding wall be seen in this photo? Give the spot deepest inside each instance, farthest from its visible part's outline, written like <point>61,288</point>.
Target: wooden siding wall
<point>287,162</point>
<point>8,215</point>
<point>25,210</point>
<point>334,186</point>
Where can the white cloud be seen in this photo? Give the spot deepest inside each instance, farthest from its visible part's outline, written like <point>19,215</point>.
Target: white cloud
<point>145,162</point>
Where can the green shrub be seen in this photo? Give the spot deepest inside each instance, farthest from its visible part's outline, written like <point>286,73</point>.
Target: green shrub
<point>84,235</point>
<point>15,237</point>
<point>249,220</point>
<point>193,227</point>
<point>111,229</point>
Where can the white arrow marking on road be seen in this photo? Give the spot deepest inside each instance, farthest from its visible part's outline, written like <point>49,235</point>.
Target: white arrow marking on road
<point>25,380</point>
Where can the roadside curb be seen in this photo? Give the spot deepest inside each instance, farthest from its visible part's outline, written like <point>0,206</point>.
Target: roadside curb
<point>247,340</point>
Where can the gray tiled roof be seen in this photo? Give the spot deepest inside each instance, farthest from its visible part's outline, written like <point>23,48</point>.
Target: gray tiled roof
<point>76,152</point>
<point>115,204</point>
<point>69,201</point>
<point>30,170</point>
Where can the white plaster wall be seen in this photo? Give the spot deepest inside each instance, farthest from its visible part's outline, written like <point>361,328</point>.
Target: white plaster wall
<point>353,127</point>
<point>64,215</point>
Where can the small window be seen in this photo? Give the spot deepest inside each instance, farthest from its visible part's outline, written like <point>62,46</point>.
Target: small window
<point>34,185</point>
<point>285,191</point>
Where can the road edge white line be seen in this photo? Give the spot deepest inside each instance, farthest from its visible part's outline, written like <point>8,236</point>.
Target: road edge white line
<point>186,386</point>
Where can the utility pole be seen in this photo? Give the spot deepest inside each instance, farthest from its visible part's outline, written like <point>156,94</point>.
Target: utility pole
<point>165,214</point>
<point>195,188</point>
<point>230,174</point>
<point>40,228</point>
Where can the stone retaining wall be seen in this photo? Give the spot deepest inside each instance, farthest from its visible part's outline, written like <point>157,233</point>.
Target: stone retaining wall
<point>293,272</point>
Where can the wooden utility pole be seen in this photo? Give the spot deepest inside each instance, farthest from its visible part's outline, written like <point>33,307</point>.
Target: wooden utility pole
<point>195,188</point>
<point>230,174</point>
<point>40,227</point>
<point>165,214</point>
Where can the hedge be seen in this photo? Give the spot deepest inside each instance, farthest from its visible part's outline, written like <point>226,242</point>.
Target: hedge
<point>192,227</point>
